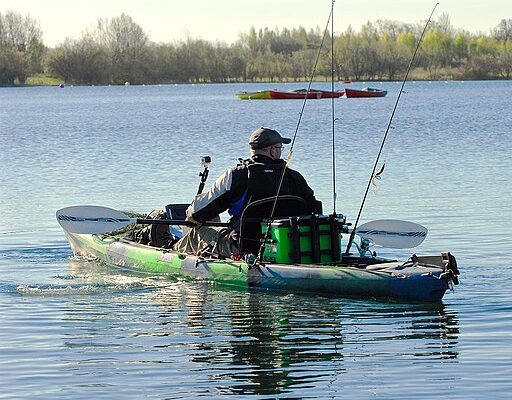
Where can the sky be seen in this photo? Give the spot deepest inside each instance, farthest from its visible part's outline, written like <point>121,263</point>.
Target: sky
<point>169,21</point>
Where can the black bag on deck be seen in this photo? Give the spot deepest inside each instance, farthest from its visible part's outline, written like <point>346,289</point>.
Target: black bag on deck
<point>155,235</point>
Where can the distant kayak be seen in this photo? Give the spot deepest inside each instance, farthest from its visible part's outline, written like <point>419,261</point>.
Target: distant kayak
<point>304,93</point>
<point>366,92</point>
<point>291,94</point>
<point>259,95</point>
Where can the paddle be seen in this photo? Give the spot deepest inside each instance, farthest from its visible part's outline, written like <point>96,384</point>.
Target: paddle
<point>392,233</point>
<point>97,219</point>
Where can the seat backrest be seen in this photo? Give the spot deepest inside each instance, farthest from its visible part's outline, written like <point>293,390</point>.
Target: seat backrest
<point>255,212</point>
<point>176,211</point>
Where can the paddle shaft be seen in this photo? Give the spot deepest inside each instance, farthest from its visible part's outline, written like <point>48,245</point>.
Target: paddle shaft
<point>149,221</point>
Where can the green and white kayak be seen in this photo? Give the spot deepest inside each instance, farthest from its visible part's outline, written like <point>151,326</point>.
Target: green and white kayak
<point>259,95</point>
<point>421,278</point>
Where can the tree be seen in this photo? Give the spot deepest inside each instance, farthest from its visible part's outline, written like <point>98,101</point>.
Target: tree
<point>12,65</point>
<point>237,63</point>
<point>21,47</point>
<point>81,61</point>
<point>163,63</point>
<point>460,46</point>
<point>505,58</point>
<point>481,63</point>
<point>389,56</point>
<point>127,45</point>
<point>504,30</point>
<point>437,51</point>
<point>443,24</point>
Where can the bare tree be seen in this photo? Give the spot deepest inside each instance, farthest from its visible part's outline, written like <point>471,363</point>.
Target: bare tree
<point>21,47</point>
<point>81,61</point>
<point>127,45</point>
<point>504,30</point>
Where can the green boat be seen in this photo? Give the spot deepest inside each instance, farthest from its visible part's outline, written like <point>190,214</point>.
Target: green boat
<point>259,95</point>
<point>300,257</point>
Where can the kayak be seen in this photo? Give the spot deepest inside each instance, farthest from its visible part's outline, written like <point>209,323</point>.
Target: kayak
<point>422,279</point>
<point>259,95</point>
<point>302,93</point>
<point>366,92</point>
<point>289,95</point>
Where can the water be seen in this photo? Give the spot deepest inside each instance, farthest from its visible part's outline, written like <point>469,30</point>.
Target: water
<point>74,328</point>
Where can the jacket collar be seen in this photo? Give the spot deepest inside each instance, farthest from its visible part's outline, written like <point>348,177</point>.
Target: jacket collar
<point>260,158</point>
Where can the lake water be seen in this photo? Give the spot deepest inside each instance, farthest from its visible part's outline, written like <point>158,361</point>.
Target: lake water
<point>78,329</point>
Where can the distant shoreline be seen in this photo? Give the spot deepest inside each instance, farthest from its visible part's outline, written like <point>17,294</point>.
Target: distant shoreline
<point>248,82</point>
<point>119,52</point>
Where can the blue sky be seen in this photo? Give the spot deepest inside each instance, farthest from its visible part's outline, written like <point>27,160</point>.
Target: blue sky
<point>224,20</point>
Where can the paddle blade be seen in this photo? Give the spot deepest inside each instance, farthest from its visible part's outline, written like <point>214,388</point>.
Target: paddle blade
<point>393,234</point>
<point>92,219</point>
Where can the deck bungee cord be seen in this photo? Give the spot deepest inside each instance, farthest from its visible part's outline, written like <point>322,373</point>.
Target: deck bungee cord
<point>374,175</point>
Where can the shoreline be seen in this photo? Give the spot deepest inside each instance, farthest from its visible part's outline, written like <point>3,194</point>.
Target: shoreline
<point>380,81</point>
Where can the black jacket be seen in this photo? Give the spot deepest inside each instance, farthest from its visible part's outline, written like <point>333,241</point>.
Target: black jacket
<point>251,180</point>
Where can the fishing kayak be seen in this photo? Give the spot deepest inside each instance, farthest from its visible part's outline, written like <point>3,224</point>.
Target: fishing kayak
<point>423,279</point>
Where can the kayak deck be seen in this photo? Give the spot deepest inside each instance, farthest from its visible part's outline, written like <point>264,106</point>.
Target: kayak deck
<point>425,279</point>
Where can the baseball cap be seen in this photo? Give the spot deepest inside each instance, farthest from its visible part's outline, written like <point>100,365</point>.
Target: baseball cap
<point>264,137</point>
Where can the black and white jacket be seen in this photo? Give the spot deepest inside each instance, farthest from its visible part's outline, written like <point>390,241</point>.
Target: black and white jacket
<point>251,180</point>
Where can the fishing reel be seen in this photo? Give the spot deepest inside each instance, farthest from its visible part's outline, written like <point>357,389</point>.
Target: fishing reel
<point>364,248</point>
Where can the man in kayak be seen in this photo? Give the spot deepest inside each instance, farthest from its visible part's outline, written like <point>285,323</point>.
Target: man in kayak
<point>253,179</point>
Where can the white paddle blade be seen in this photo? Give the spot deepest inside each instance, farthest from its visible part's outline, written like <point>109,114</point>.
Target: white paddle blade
<point>92,219</point>
<point>394,234</point>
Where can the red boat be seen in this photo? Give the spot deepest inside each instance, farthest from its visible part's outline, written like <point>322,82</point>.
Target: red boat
<point>303,93</point>
<point>366,92</point>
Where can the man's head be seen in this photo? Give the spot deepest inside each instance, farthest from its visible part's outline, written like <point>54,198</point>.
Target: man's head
<point>268,142</point>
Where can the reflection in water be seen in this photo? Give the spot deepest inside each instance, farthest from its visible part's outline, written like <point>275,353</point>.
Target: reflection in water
<point>251,344</point>
<point>272,340</point>
<point>258,343</point>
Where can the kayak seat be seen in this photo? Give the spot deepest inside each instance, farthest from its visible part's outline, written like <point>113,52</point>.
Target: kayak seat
<point>176,211</point>
<point>179,212</point>
<point>257,211</point>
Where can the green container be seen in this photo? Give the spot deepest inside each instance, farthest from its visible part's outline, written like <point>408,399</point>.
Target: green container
<point>306,239</point>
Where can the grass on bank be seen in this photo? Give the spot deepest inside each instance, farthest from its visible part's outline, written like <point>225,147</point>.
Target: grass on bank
<point>43,80</point>
<point>416,74</point>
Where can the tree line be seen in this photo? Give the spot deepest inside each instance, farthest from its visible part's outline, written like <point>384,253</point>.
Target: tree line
<point>117,50</point>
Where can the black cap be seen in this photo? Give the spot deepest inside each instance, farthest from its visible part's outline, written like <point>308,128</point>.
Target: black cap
<point>264,137</point>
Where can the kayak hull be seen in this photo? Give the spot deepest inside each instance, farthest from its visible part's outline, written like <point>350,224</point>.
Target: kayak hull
<point>259,95</point>
<point>386,279</point>
<point>301,94</point>
<point>289,95</point>
<point>367,92</point>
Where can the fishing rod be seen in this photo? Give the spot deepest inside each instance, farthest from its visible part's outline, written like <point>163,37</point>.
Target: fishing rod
<point>334,195</point>
<point>352,235</point>
<point>290,153</point>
